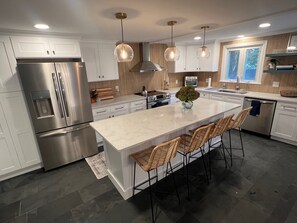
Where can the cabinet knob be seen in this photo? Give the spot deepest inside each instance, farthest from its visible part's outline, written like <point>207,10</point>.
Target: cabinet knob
<point>54,53</point>
<point>47,52</point>
<point>99,76</point>
<point>103,76</point>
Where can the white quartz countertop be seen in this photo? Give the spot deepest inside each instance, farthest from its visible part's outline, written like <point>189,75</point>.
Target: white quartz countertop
<point>118,100</point>
<point>251,94</point>
<point>126,131</point>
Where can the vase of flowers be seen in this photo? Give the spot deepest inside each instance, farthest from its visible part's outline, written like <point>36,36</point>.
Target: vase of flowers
<point>187,95</point>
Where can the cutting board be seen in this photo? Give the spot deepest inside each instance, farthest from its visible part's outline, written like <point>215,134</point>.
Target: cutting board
<point>105,93</point>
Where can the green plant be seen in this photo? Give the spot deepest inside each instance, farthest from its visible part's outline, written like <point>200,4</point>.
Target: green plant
<point>187,94</point>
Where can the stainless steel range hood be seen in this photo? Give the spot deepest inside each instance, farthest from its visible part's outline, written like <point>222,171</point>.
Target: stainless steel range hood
<point>145,65</point>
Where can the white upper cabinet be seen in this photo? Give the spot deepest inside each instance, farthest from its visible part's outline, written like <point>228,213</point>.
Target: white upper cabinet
<point>41,47</point>
<point>210,63</point>
<point>100,62</point>
<point>180,65</point>
<point>8,76</point>
<point>189,62</point>
<point>192,62</point>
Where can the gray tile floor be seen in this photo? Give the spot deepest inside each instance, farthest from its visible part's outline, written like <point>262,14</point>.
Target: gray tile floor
<point>262,187</point>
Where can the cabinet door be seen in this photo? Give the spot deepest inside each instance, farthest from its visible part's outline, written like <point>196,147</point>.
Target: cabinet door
<point>285,122</point>
<point>210,63</point>
<point>107,62</point>
<point>8,77</point>
<point>192,62</point>
<point>117,110</point>
<point>100,114</point>
<point>64,48</point>
<point>217,97</point>
<point>30,47</point>
<point>20,128</point>
<point>180,65</point>
<point>8,159</point>
<point>90,56</point>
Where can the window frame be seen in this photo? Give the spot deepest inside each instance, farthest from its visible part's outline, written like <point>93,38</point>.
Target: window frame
<point>241,60</point>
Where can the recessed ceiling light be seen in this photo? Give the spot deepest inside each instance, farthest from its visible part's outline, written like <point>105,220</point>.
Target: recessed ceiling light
<point>264,25</point>
<point>197,37</point>
<point>41,26</point>
<point>240,36</point>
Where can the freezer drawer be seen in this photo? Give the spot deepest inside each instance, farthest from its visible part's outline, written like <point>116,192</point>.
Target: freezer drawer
<point>66,145</point>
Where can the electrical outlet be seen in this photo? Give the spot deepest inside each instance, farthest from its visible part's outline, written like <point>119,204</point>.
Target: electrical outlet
<point>206,80</point>
<point>117,88</point>
<point>275,84</point>
<point>176,81</point>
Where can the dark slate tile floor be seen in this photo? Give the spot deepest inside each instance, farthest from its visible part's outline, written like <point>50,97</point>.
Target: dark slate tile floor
<point>262,187</point>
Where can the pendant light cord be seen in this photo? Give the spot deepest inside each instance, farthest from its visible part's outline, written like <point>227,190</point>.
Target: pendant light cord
<point>204,36</point>
<point>122,30</point>
<point>172,35</point>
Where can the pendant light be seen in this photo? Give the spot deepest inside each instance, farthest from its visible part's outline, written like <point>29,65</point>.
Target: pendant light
<point>123,52</point>
<point>203,50</point>
<point>171,53</point>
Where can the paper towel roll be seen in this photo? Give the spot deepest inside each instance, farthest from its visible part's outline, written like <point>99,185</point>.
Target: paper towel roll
<point>209,82</point>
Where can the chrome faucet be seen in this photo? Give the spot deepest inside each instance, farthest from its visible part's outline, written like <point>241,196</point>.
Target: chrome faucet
<point>237,86</point>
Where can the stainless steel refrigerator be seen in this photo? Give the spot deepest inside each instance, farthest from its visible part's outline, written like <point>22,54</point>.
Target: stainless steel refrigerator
<point>58,99</point>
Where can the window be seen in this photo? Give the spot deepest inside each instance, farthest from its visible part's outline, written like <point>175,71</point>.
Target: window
<point>243,60</point>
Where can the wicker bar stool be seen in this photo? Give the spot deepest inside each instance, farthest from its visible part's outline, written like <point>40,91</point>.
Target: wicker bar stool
<point>152,158</point>
<point>218,130</point>
<point>192,143</point>
<point>235,124</point>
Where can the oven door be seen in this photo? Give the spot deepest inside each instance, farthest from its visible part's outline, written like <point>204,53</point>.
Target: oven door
<point>159,103</point>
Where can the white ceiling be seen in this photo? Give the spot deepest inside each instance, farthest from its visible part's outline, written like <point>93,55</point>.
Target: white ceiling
<point>147,19</point>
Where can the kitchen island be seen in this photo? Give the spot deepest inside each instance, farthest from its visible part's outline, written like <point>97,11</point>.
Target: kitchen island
<point>127,134</point>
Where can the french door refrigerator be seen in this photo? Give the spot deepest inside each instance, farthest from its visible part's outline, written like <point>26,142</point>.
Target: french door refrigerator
<point>58,99</point>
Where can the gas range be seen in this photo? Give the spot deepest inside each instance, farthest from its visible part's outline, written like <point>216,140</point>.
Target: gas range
<point>156,98</point>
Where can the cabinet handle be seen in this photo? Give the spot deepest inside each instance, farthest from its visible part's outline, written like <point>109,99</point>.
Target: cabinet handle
<point>119,108</point>
<point>138,104</point>
<point>101,112</point>
<point>47,52</point>
<point>54,53</point>
<point>139,109</point>
<point>289,108</point>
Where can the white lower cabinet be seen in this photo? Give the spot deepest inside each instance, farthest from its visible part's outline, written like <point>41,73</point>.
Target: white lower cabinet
<point>116,110</point>
<point>285,121</point>
<point>18,144</point>
<point>227,98</point>
<point>137,106</point>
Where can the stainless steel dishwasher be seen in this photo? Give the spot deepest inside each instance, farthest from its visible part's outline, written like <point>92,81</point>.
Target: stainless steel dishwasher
<point>262,122</point>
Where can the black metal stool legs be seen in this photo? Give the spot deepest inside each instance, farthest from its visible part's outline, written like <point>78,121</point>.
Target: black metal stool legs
<point>172,174</point>
<point>241,142</point>
<point>151,196</point>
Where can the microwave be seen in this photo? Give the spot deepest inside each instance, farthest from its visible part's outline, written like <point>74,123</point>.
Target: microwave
<point>191,81</point>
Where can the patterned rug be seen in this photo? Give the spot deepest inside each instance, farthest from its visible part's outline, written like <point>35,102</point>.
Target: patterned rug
<point>98,165</point>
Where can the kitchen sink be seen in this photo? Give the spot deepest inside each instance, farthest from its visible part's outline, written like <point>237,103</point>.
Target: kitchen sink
<point>226,90</point>
<point>232,91</point>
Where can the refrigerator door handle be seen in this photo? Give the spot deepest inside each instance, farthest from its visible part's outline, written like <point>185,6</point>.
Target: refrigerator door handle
<point>53,134</point>
<point>78,128</point>
<point>57,94</point>
<point>63,94</point>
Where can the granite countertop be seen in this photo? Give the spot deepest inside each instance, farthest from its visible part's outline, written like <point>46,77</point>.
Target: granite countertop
<point>251,94</point>
<point>126,131</point>
<point>118,100</point>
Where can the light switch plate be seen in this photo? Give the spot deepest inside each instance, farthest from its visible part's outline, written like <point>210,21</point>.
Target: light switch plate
<point>176,81</point>
<point>117,88</point>
<point>275,84</point>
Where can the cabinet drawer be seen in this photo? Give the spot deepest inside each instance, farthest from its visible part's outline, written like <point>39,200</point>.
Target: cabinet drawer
<point>235,100</point>
<point>204,95</point>
<point>136,104</point>
<point>101,111</point>
<point>217,97</point>
<point>117,108</point>
<point>287,107</point>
